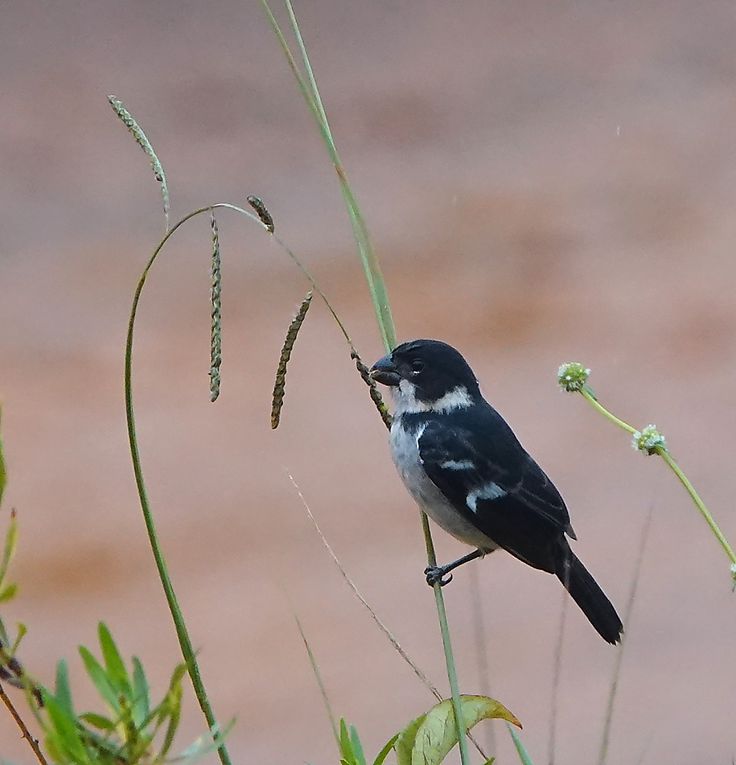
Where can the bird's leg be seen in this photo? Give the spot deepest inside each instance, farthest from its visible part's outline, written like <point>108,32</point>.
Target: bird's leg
<point>437,574</point>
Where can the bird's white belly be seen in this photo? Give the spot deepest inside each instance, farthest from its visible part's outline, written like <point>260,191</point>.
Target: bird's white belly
<point>432,501</point>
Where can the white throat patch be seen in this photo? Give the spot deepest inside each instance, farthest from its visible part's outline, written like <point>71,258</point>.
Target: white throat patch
<point>406,400</point>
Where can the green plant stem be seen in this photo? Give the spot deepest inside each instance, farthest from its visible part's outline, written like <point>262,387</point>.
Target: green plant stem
<point>520,749</point>
<point>677,470</point>
<point>446,645</point>
<point>310,93</point>
<point>379,297</point>
<point>685,481</point>
<point>182,633</point>
<point>588,396</point>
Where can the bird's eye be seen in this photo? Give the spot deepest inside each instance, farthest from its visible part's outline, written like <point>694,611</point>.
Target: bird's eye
<point>417,366</point>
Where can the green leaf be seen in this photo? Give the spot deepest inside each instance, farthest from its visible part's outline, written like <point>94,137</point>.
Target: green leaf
<point>3,473</point>
<point>170,710</point>
<point>405,741</point>
<point>22,629</point>
<point>390,744</point>
<point>98,721</point>
<point>11,541</point>
<point>66,735</point>
<point>173,712</point>
<point>99,678</point>
<point>346,746</point>
<point>116,671</point>
<point>428,739</point>
<point>357,746</point>
<point>62,692</point>
<point>141,696</point>
<point>521,751</point>
<point>8,592</point>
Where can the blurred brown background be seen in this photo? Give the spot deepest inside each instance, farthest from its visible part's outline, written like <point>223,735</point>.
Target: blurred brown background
<point>544,182</point>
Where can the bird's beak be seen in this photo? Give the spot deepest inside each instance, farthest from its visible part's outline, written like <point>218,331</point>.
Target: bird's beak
<point>384,371</point>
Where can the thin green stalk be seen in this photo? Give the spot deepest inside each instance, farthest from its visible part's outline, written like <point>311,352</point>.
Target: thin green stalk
<point>520,749</point>
<point>310,93</point>
<point>182,633</point>
<point>379,297</point>
<point>588,396</point>
<point>185,643</point>
<point>669,460</point>
<point>446,645</point>
<point>677,470</point>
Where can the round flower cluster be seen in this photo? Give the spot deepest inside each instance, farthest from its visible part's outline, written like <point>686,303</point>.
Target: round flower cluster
<point>648,440</point>
<point>572,376</point>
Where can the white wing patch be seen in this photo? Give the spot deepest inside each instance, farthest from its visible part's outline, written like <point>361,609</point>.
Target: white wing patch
<point>457,465</point>
<point>487,491</point>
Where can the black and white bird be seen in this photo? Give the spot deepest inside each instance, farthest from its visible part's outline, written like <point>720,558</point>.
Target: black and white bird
<point>468,472</point>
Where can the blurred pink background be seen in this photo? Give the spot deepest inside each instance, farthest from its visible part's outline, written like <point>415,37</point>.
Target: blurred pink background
<point>544,182</point>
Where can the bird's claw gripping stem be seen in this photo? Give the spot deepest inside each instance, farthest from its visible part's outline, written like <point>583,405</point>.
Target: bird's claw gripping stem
<point>436,575</point>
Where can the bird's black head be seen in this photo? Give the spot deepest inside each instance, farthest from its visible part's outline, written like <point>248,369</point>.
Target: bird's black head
<point>427,375</point>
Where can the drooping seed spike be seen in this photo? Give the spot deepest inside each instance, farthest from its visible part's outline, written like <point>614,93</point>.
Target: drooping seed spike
<point>141,139</point>
<point>375,394</point>
<point>279,385</point>
<point>265,216</point>
<point>216,303</point>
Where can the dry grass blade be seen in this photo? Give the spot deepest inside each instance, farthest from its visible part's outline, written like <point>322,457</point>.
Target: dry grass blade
<point>142,140</point>
<point>556,678</point>
<point>25,733</point>
<point>320,682</point>
<point>377,620</point>
<point>606,736</point>
<point>279,385</point>
<point>216,300</point>
<point>374,392</point>
<point>263,214</point>
<point>481,641</point>
<point>386,631</point>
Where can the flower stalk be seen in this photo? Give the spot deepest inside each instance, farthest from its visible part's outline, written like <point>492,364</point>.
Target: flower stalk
<point>573,377</point>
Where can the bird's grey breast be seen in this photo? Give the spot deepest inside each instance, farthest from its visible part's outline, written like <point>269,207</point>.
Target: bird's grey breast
<point>405,452</point>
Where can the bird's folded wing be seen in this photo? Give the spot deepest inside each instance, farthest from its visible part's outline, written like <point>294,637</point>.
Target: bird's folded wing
<point>493,482</point>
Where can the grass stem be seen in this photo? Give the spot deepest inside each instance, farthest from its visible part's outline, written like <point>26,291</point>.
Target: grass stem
<point>379,297</point>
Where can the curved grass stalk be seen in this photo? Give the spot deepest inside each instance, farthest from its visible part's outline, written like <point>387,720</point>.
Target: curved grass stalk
<point>182,632</point>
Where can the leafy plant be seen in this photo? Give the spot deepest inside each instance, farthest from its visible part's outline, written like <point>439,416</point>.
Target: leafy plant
<point>429,738</point>
<point>132,731</point>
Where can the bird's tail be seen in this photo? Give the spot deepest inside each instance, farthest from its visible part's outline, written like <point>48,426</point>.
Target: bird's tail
<point>589,596</point>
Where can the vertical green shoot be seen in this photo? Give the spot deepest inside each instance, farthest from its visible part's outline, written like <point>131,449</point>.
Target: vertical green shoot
<point>379,296</point>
